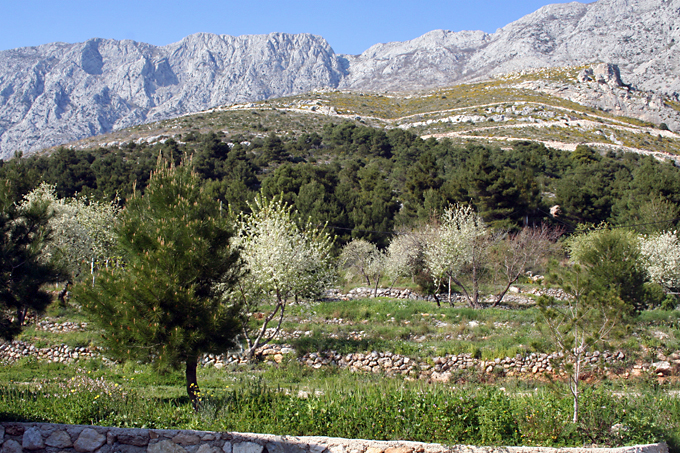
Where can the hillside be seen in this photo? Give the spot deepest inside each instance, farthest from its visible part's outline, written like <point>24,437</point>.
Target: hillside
<point>56,93</point>
<point>560,107</point>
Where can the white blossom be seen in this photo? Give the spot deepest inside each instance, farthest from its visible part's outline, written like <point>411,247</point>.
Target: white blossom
<point>361,258</point>
<point>282,260</point>
<point>403,255</point>
<point>453,244</point>
<point>661,257</point>
<point>82,230</point>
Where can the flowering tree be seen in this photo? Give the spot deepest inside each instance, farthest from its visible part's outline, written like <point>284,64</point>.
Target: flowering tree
<point>404,256</point>
<point>362,258</point>
<point>458,246</point>
<point>283,262</point>
<point>661,257</point>
<point>82,230</point>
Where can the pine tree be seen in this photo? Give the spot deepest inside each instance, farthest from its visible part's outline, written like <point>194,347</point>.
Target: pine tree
<point>165,304</point>
<point>23,235</point>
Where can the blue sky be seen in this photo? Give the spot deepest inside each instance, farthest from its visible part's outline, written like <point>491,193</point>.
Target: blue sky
<point>350,26</point>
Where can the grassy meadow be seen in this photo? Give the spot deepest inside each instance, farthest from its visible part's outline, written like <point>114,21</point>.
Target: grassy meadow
<point>293,399</point>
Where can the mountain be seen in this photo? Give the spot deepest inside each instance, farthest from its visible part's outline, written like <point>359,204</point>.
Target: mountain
<point>639,36</point>
<point>57,93</point>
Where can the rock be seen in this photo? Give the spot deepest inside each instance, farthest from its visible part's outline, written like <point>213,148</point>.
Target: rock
<point>398,450</point>
<point>103,85</point>
<point>32,439</point>
<point>227,447</point>
<point>374,450</point>
<point>11,446</point>
<point>89,440</point>
<point>247,447</point>
<point>207,448</point>
<point>662,367</point>
<point>133,439</point>
<point>59,439</point>
<point>165,446</point>
<point>186,439</point>
<point>440,377</point>
<point>14,430</point>
<point>284,447</point>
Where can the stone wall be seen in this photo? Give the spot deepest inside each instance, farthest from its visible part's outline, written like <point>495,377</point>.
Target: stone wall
<point>53,438</point>
<point>433,369</point>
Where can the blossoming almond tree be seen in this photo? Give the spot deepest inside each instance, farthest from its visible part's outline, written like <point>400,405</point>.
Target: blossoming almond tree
<point>363,258</point>
<point>459,245</point>
<point>404,256</point>
<point>82,230</point>
<point>661,256</point>
<point>284,261</point>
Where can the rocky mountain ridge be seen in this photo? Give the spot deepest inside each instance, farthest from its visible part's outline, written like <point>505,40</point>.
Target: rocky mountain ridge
<point>57,93</point>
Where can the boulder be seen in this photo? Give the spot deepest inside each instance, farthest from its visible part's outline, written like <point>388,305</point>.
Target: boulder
<point>32,439</point>
<point>89,440</point>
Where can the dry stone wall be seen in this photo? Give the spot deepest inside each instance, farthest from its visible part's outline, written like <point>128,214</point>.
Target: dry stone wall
<point>54,438</point>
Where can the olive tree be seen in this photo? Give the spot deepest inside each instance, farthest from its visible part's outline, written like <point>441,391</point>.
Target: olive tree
<point>283,261</point>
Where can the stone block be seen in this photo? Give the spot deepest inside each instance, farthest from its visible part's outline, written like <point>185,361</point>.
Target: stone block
<point>11,446</point>
<point>165,446</point>
<point>14,430</point>
<point>207,448</point>
<point>247,447</point>
<point>32,439</point>
<point>398,450</point>
<point>336,449</point>
<point>122,448</point>
<point>59,439</point>
<point>284,447</point>
<point>186,439</point>
<point>89,440</point>
<point>227,448</point>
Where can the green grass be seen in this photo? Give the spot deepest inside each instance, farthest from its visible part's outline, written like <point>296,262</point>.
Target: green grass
<point>470,409</point>
<point>292,400</point>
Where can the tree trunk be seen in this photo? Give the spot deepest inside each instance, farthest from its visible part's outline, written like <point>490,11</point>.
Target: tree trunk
<point>192,384</point>
<point>62,295</point>
<point>500,296</point>
<point>475,288</point>
<point>450,302</point>
<point>575,390</point>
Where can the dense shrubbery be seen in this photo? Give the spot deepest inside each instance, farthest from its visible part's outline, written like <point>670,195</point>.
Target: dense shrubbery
<point>366,181</point>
